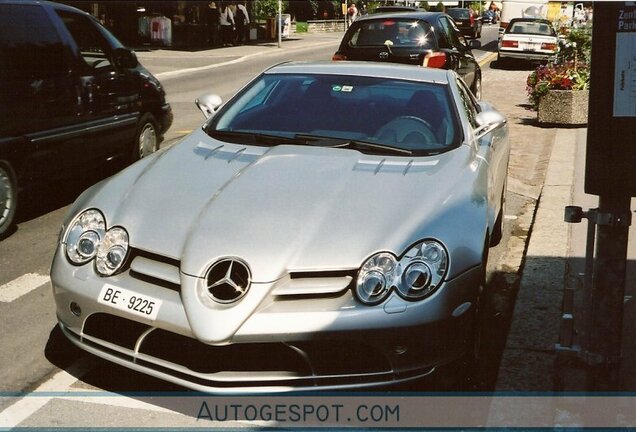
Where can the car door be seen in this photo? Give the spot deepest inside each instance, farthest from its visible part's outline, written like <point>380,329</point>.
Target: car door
<point>454,45</point>
<point>110,94</point>
<point>39,97</point>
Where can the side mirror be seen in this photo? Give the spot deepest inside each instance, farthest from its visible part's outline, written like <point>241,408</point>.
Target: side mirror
<point>488,120</point>
<point>208,104</point>
<point>125,58</point>
<point>474,44</point>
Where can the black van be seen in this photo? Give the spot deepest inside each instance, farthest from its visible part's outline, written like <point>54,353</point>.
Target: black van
<point>71,96</point>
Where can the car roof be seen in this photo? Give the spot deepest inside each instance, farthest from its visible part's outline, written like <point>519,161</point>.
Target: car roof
<point>408,14</point>
<point>59,6</point>
<point>362,68</point>
<point>530,19</point>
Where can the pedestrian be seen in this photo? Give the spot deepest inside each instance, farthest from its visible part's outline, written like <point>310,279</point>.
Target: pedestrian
<point>352,13</point>
<point>213,20</point>
<point>242,20</point>
<point>226,20</point>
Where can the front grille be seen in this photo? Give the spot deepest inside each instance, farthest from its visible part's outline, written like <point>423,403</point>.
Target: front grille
<point>155,269</point>
<point>293,364</point>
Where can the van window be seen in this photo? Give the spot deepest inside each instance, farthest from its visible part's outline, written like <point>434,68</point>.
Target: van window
<point>93,47</point>
<point>25,53</point>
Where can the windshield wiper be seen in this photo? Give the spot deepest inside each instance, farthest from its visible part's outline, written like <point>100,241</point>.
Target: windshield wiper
<point>254,137</point>
<point>335,142</point>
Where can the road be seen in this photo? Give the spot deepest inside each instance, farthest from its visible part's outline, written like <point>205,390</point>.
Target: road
<point>35,356</point>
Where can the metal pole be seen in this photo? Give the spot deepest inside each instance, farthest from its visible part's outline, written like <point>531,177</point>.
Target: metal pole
<point>280,19</point>
<point>608,290</point>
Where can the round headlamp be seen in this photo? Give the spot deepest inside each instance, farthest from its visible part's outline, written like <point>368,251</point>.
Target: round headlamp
<point>424,266</point>
<point>375,278</point>
<point>112,251</point>
<point>84,236</point>
<point>414,276</point>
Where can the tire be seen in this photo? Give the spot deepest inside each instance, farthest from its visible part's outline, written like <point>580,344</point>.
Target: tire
<point>476,88</point>
<point>501,62</point>
<point>8,198</point>
<point>470,379</point>
<point>497,230</point>
<point>146,139</point>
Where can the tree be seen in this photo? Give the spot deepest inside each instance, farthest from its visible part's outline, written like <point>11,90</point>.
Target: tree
<point>268,8</point>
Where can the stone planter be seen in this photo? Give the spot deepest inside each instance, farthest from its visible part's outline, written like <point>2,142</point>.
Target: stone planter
<point>568,107</point>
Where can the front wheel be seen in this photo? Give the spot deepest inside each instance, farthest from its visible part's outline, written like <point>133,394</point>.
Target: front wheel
<point>8,198</point>
<point>146,139</point>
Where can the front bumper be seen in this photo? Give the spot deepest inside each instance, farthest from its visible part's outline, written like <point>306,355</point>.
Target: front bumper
<point>288,344</point>
<point>166,118</point>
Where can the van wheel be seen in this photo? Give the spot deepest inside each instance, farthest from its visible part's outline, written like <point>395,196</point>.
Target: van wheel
<point>8,198</point>
<point>146,139</point>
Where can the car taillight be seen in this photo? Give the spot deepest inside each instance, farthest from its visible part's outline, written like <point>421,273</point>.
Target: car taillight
<point>435,60</point>
<point>338,56</point>
<point>549,46</point>
<point>509,44</point>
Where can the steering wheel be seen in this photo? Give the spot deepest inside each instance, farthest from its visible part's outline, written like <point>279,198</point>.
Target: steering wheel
<point>408,130</point>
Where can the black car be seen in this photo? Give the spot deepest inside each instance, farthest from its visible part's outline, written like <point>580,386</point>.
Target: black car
<point>467,20</point>
<point>429,39</point>
<point>395,8</point>
<point>71,97</point>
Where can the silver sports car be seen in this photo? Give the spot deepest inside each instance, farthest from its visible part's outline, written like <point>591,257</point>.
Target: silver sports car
<point>326,228</point>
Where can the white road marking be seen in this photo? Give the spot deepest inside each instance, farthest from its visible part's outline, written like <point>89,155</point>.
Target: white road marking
<point>30,404</point>
<point>21,286</point>
<point>510,217</point>
<point>116,400</point>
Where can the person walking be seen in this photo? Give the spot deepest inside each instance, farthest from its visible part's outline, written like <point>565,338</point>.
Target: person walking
<point>226,20</point>
<point>242,20</point>
<point>352,14</point>
<point>213,20</point>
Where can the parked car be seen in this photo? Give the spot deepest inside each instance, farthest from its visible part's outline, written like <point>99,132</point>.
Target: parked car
<point>429,39</point>
<point>467,20</point>
<point>328,227</point>
<point>395,8</point>
<point>529,39</point>
<point>71,96</point>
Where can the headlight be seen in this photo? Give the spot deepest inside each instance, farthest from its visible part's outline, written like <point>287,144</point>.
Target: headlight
<point>376,278</point>
<point>424,267</point>
<point>112,251</point>
<point>84,236</point>
<point>414,276</point>
<point>87,238</point>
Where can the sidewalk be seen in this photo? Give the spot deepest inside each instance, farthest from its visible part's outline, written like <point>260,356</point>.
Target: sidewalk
<point>555,259</point>
<point>168,63</point>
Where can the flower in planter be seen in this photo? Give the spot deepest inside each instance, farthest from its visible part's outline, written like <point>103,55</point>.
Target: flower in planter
<point>565,76</point>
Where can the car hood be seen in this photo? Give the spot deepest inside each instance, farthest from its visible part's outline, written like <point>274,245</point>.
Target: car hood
<point>280,209</point>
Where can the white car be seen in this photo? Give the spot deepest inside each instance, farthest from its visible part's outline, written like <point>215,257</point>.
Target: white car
<point>532,39</point>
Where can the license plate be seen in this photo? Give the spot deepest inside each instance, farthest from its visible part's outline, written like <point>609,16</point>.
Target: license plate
<point>129,301</point>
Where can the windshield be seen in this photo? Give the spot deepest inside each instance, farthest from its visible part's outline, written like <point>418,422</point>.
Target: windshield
<point>531,27</point>
<point>458,14</point>
<point>402,32</point>
<point>332,110</point>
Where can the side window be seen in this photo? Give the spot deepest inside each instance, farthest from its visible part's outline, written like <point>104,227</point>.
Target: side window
<point>93,47</point>
<point>468,102</point>
<point>25,53</point>
<point>451,33</point>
